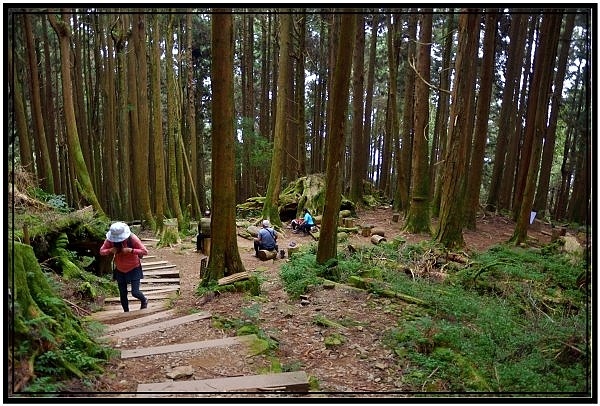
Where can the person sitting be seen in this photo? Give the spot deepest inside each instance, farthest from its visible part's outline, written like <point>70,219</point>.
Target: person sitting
<point>307,222</point>
<point>267,238</point>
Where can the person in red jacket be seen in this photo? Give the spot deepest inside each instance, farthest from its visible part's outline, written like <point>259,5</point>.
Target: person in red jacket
<point>128,250</point>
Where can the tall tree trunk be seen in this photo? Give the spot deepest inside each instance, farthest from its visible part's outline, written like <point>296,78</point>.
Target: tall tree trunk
<point>120,36</point>
<point>80,98</point>
<point>481,125</point>
<point>159,186</point>
<point>356,175</point>
<point>25,153</point>
<point>224,256</point>
<point>49,110</point>
<point>508,183</point>
<point>190,105</point>
<point>327,247</point>
<point>537,113</point>
<point>173,127</point>
<point>541,197</point>
<point>43,165</point>
<point>441,118</point>
<point>76,156</point>
<point>248,186</point>
<point>301,100</point>
<point>418,219</point>
<point>363,162</point>
<point>271,207</point>
<point>109,146</point>
<point>392,109</point>
<point>509,107</point>
<point>403,169</point>
<point>449,232</point>
<point>141,146</point>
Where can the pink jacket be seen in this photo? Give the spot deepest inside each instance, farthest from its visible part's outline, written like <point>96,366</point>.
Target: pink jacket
<point>125,262</point>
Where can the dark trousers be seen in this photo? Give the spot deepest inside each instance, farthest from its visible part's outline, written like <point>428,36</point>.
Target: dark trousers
<point>305,228</point>
<point>258,246</point>
<point>134,278</point>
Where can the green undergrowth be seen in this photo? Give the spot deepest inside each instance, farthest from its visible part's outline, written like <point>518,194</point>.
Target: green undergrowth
<point>48,344</point>
<point>510,319</point>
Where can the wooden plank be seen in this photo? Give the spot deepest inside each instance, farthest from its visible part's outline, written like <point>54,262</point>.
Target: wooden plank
<point>153,294</point>
<point>196,345</point>
<point>154,263</point>
<point>117,312</point>
<point>159,326</point>
<point>159,280</point>
<point>151,273</point>
<point>148,257</point>
<point>139,321</point>
<point>159,287</point>
<point>291,381</point>
<point>156,267</point>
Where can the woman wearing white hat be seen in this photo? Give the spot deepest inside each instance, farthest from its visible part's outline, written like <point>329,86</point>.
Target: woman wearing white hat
<point>128,250</point>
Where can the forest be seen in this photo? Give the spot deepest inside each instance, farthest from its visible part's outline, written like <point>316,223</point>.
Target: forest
<point>155,115</point>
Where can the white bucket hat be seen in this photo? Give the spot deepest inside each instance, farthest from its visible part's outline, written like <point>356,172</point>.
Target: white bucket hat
<point>266,224</point>
<point>118,232</point>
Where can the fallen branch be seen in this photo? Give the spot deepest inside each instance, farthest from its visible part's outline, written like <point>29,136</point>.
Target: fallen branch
<point>239,276</point>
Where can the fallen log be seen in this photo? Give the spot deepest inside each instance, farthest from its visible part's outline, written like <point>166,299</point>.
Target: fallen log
<point>376,239</point>
<point>266,255</point>
<point>239,276</point>
<point>365,284</point>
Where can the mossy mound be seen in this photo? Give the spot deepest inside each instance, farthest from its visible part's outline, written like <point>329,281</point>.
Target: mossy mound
<point>49,344</point>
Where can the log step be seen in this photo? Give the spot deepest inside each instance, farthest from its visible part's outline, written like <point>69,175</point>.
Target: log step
<point>139,321</point>
<point>159,326</point>
<point>196,345</point>
<point>289,381</point>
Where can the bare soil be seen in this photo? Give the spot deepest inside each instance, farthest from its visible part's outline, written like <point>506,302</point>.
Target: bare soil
<point>362,364</point>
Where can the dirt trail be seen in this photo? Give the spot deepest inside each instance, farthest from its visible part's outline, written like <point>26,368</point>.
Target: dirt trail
<point>361,364</point>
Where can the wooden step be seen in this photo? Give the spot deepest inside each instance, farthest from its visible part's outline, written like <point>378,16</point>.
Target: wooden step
<point>139,321</point>
<point>150,294</point>
<point>148,257</point>
<point>196,345</point>
<point>159,280</point>
<point>154,263</point>
<point>158,326</point>
<point>156,267</point>
<point>160,272</point>
<point>163,287</point>
<point>115,312</point>
<point>289,381</point>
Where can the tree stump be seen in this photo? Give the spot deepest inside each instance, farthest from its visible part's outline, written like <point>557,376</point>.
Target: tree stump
<point>292,250</point>
<point>348,222</point>
<point>395,217</point>
<point>378,231</point>
<point>366,230</point>
<point>265,255</point>
<point>376,239</point>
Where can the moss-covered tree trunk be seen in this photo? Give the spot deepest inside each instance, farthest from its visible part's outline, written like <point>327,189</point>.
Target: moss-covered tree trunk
<point>224,256</point>
<point>76,156</point>
<point>271,209</point>
<point>327,248</point>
